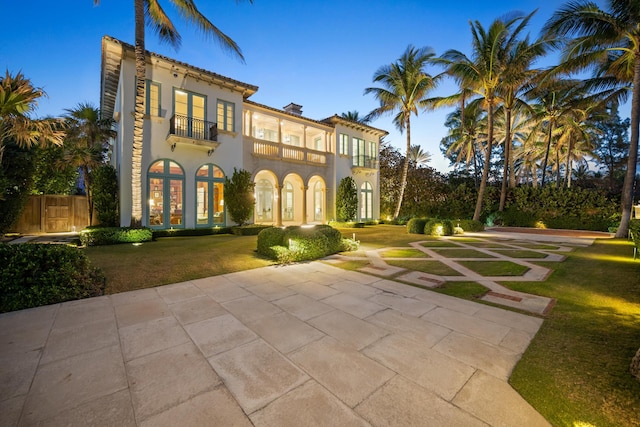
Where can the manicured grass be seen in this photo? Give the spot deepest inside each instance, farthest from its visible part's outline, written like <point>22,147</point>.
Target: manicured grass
<point>462,253</point>
<point>517,253</point>
<point>539,246</point>
<point>576,370</point>
<point>440,243</point>
<point>403,253</point>
<point>486,245</point>
<point>467,290</point>
<point>433,267</point>
<point>173,260</point>
<point>495,268</point>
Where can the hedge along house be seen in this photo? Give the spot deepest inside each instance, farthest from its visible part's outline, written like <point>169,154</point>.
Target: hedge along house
<point>200,125</point>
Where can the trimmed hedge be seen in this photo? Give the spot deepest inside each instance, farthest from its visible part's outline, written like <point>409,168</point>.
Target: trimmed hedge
<point>184,232</point>
<point>470,225</point>
<point>297,243</point>
<point>115,235</point>
<point>416,225</point>
<point>249,230</point>
<point>41,274</point>
<point>438,227</point>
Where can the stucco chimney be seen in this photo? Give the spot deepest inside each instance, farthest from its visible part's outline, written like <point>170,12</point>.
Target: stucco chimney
<point>294,109</point>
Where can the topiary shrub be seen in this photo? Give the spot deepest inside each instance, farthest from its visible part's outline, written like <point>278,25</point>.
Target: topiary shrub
<point>105,195</point>
<point>268,239</point>
<point>297,243</point>
<point>470,225</point>
<point>438,227</point>
<point>41,274</point>
<point>416,225</point>
<point>115,235</point>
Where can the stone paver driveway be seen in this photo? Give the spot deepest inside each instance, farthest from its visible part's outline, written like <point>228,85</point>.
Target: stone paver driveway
<point>306,344</point>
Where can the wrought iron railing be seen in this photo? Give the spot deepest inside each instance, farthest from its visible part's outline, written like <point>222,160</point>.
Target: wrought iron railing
<point>193,128</point>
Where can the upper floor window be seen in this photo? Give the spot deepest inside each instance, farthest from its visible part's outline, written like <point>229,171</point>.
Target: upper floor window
<point>358,152</point>
<point>190,113</point>
<point>344,144</point>
<point>226,115</point>
<point>373,151</point>
<point>152,99</point>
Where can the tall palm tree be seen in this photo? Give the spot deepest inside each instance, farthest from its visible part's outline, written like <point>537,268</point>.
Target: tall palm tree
<point>418,156</point>
<point>150,13</point>
<point>354,116</point>
<point>608,42</point>
<point>18,99</point>
<point>87,143</point>
<point>405,84</point>
<point>483,72</point>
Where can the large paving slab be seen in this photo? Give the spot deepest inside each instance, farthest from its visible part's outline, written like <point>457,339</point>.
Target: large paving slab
<point>304,344</point>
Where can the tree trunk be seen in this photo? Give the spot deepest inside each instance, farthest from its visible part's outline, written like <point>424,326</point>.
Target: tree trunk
<point>507,159</point>
<point>487,164</point>
<point>405,169</point>
<point>138,118</point>
<point>558,175</point>
<point>568,167</point>
<point>546,154</point>
<point>88,186</point>
<point>475,165</point>
<point>630,176</point>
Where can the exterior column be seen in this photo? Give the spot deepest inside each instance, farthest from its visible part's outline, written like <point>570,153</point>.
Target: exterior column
<point>304,204</point>
<point>278,210</point>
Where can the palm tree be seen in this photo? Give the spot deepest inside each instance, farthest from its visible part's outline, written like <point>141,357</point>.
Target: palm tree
<point>149,12</point>
<point>354,116</point>
<point>405,84</point>
<point>18,99</point>
<point>483,74</point>
<point>608,42</point>
<point>87,143</point>
<point>418,156</point>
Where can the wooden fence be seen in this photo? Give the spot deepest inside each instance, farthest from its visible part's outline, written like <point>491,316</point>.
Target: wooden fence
<point>49,213</point>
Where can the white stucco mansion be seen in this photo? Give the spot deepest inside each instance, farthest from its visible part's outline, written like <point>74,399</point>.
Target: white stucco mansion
<point>200,125</point>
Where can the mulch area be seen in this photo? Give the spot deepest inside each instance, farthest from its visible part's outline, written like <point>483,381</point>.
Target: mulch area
<point>553,232</point>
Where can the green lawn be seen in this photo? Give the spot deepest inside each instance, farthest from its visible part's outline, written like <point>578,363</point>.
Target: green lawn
<point>495,268</point>
<point>520,253</point>
<point>433,267</point>
<point>403,253</point>
<point>462,253</point>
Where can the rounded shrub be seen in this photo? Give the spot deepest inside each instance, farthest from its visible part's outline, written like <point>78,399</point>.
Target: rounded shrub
<point>333,236</point>
<point>306,243</point>
<point>470,225</point>
<point>269,238</point>
<point>438,227</point>
<point>416,225</point>
<point>41,274</point>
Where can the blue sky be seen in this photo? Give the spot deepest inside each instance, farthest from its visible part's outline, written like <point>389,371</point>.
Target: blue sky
<point>319,54</point>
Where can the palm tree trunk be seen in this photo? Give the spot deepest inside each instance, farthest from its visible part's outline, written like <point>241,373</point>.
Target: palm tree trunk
<point>546,154</point>
<point>487,165</point>
<point>507,159</point>
<point>630,176</point>
<point>88,187</point>
<point>475,166</point>
<point>568,165</point>
<point>558,175</point>
<point>138,118</point>
<point>405,170</point>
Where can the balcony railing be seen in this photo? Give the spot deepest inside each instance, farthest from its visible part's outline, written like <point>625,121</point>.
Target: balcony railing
<point>189,127</point>
<point>291,153</point>
<point>365,162</point>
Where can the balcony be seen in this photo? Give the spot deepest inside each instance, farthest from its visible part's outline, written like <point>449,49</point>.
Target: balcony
<point>365,162</point>
<point>192,132</point>
<point>289,153</point>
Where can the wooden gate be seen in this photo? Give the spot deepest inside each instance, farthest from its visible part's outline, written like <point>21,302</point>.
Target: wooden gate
<point>49,213</point>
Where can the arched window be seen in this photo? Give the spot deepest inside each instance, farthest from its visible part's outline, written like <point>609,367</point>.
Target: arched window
<point>366,201</point>
<point>264,200</point>
<point>287,202</point>
<point>209,196</point>
<point>165,181</point>
<point>318,202</point>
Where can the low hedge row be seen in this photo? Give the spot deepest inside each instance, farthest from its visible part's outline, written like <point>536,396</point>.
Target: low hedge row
<point>115,235</point>
<point>184,232</point>
<point>295,243</point>
<point>39,274</point>
<point>442,227</point>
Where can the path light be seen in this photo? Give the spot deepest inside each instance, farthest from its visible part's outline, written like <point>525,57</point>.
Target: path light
<point>137,244</point>
<point>439,230</point>
<point>354,236</point>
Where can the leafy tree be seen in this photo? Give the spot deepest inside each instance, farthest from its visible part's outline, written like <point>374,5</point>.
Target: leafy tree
<point>105,195</point>
<point>391,162</point>
<point>612,149</point>
<point>87,143</point>
<point>347,199</point>
<point>607,42</point>
<point>150,13</point>
<point>16,179</point>
<point>238,196</point>
<point>52,175</point>
<point>418,157</point>
<point>405,84</point>
<point>18,99</point>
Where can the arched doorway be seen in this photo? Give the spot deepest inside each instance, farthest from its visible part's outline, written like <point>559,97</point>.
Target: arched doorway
<point>165,186</point>
<point>209,196</point>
